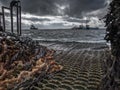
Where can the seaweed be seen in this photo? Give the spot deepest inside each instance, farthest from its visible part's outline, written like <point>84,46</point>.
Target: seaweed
<point>24,62</point>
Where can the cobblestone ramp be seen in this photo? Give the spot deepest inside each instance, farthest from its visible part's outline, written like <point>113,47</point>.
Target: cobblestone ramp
<point>83,70</point>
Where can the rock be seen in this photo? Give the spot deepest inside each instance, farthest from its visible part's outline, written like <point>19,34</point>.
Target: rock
<point>23,60</point>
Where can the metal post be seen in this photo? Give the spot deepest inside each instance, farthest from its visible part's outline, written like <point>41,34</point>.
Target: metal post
<point>20,20</point>
<point>11,12</point>
<point>3,19</point>
<point>1,28</point>
<point>0,20</point>
<point>17,19</point>
<point>17,5</point>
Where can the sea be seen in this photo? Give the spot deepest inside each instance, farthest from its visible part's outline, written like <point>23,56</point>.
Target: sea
<point>67,35</point>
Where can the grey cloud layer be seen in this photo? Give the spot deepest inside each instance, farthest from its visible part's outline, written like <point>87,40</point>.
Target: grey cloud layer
<point>49,7</point>
<point>79,6</point>
<point>70,11</point>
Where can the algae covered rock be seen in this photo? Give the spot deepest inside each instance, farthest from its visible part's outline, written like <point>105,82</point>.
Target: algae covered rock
<point>23,62</point>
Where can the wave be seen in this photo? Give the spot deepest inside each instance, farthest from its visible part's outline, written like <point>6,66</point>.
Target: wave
<point>69,41</point>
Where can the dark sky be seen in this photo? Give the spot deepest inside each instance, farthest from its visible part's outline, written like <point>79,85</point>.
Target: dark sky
<point>67,12</point>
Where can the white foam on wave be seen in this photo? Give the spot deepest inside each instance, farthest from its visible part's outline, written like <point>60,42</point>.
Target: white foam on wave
<point>26,34</point>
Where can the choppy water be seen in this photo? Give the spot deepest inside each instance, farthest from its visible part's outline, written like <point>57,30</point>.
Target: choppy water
<point>90,36</point>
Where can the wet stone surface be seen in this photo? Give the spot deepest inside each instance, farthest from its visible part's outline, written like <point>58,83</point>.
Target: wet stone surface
<point>83,68</point>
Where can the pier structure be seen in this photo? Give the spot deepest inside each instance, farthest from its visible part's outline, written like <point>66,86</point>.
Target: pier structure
<point>1,28</point>
<point>15,7</point>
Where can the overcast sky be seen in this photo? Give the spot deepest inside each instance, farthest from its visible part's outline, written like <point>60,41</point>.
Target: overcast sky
<point>61,13</point>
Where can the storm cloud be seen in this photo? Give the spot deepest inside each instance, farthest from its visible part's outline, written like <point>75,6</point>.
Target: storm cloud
<point>71,11</point>
<point>57,7</point>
